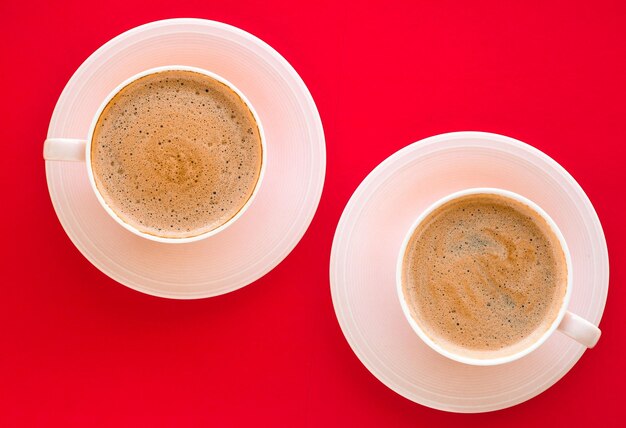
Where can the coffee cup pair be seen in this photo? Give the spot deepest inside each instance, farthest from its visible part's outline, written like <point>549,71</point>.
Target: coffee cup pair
<point>82,150</point>
<point>564,321</point>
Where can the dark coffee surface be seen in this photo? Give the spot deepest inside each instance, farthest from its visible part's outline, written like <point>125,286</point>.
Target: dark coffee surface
<point>484,272</point>
<point>176,154</point>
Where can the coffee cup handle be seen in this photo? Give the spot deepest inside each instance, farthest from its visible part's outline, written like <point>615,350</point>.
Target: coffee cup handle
<point>579,329</point>
<point>64,149</point>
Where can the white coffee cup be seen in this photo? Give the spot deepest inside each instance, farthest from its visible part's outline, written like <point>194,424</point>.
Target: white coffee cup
<point>566,322</point>
<point>68,149</point>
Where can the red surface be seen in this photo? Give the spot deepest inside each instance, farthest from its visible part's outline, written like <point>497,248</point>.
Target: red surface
<point>79,349</point>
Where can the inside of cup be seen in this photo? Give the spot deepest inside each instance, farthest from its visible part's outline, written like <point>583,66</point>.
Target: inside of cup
<point>169,156</point>
<point>464,297</point>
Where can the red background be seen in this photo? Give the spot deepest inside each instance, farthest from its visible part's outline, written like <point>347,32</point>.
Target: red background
<point>79,349</point>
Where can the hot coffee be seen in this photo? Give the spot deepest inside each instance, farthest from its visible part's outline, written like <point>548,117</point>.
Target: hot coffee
<point>482,273</point>
<point>176,154</point>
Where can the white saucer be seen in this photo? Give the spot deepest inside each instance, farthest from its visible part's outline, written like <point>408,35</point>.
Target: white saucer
<point>284,206</point>
<point>368,239</point>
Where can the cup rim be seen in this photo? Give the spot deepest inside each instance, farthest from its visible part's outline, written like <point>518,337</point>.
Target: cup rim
<point>114,215</point>
<point>472,360</point>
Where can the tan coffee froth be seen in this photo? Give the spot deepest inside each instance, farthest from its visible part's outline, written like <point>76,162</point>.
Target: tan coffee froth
<point>484,273</point>
<point>176,154</point>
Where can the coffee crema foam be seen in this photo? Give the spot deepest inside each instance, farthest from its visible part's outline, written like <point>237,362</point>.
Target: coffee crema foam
<point>176,154</point>
<point>484,276</point>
